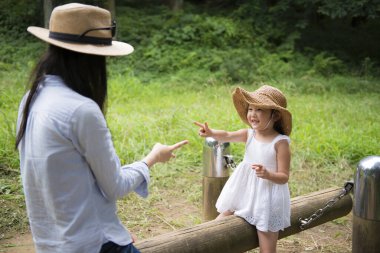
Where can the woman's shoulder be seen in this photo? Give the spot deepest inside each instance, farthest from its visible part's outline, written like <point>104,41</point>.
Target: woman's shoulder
<point>88,108</point>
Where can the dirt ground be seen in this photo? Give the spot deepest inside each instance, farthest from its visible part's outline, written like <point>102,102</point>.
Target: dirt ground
<point>334,237</point>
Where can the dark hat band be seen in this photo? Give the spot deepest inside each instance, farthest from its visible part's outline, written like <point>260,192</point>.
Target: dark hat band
<point>66,37</point>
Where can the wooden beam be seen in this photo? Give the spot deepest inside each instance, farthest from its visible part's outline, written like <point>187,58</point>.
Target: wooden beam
<point>233,234</point>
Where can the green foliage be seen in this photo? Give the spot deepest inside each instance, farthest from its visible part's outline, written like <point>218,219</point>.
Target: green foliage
<point>327,65</point>
<point>191,41</point>
<point>348,30</point>
<point>248,43</point>
<point>340,9</point>
<point>174,42</point>
<point>251,43</point>
<point>16,16</point>
<point>368,68</point>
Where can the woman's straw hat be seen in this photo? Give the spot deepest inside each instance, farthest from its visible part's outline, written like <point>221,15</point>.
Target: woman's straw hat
<point>82,28</point>
<point>266,97</point>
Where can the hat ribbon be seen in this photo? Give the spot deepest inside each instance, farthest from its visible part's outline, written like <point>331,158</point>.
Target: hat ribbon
<point>67,37</point>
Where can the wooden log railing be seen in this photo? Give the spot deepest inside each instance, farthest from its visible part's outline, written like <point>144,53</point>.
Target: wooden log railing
<point>233,234</point>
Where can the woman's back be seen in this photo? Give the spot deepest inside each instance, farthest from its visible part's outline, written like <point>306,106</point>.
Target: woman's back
<point>63,200</point>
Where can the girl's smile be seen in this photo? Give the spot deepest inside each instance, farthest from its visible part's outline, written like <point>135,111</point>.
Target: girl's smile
<point>258,118</point>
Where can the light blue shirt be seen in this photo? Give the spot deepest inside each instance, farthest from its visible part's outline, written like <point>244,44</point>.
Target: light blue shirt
<point>71,173</point>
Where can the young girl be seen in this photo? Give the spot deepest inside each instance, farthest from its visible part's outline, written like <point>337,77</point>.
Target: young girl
<point>257,190</point>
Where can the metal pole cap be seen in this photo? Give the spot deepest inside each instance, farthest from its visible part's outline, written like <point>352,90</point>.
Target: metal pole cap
<point>214,164</point>
<point>367,189</point>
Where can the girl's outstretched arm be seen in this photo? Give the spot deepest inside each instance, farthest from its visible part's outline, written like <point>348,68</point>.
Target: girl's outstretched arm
<point>222,135</point>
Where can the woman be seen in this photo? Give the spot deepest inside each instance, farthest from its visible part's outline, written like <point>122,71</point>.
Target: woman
<point>70,171</point>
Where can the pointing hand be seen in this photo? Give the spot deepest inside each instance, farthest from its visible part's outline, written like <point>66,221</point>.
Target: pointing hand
<point>204,130</point>
<point>161,153</point>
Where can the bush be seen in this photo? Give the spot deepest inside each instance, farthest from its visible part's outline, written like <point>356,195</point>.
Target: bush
<point>16,16</point>
<point>327,65</point>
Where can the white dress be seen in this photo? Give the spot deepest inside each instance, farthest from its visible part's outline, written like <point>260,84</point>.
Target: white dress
<point>260,202</point>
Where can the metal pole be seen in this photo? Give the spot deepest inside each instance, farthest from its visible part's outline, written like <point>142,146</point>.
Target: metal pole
<point>215,175</point>
<point>366,214</point>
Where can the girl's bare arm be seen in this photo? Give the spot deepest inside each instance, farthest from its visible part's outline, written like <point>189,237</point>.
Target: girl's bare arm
<point>222,135</point>
<point>281,176</point>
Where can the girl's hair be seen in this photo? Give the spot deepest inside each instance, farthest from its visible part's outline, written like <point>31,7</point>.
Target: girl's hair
<point>84,73</point>
<point>277,124</point>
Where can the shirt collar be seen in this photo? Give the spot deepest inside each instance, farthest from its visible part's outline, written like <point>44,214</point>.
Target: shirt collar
<point>53,80</point>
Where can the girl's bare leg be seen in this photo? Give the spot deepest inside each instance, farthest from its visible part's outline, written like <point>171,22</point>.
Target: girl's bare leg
<point>267,241</point>
<point>224,214</point>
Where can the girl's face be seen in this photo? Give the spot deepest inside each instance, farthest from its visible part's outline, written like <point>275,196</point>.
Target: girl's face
<point>260,119</point>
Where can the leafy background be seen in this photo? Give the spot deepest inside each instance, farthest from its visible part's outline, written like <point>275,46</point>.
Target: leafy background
<point>324,55</point>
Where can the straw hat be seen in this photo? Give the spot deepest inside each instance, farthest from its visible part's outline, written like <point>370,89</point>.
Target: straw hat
<point>82,28</point>
<point>266,97</point>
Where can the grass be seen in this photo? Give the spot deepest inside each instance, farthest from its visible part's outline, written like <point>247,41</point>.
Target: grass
<point>328,138</point>
<point>332,131</point>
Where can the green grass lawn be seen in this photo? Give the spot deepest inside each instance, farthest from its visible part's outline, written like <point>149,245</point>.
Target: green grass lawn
<point>332,131</point>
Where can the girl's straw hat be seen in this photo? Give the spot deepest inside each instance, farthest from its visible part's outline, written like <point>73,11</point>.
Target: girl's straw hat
<point>266,97</point>
<point>82,28</point>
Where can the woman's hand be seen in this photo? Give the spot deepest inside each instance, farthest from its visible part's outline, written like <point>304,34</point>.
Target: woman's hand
<point>204,130</point>
<point>134,238</point>
<point>161,153</point>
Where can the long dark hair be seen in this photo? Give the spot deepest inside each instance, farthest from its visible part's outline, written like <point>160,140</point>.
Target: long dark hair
<point>277,124</point>
<point>83,73</point>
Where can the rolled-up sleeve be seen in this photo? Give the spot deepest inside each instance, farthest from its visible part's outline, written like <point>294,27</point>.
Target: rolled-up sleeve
<point>92,138</point>
<point>134,170</point>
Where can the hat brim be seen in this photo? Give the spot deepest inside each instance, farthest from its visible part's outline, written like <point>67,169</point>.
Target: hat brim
<point>242,99</point>
<point>116,49</point>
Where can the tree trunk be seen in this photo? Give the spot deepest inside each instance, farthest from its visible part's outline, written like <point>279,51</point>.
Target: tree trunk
<point>176,5</point>
<point>48,7</point>
<point>111,6</point>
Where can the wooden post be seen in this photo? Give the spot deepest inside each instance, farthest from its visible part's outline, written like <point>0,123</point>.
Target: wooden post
<point>233,234</point>
<point>212,186</point>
